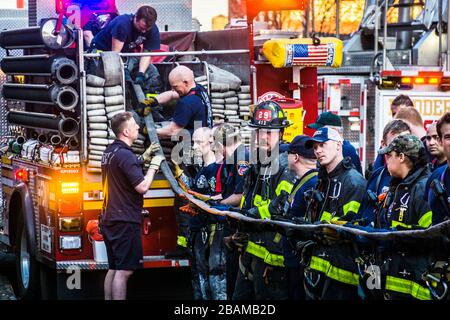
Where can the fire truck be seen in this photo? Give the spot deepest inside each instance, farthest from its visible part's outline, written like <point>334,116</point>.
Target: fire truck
<point>400,47</point>
<point>49,192</point>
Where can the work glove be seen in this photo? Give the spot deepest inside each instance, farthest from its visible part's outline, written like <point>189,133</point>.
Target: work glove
<point>150,103</point>
<point>150,152</point>
<point>276,207</point>
<point>189,209</point>
<point>140,78</point>
<point>178,171</point>
<point>240,240</point>
<point>155,163</point>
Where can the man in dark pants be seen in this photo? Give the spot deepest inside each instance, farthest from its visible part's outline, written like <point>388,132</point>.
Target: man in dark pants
<point>267,186</point>
<point>132,33</point>
<point>303,163</point>
<point>124,185</point>
<point>193,110</point>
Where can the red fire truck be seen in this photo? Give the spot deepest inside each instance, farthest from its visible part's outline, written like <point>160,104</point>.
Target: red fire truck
<point>48,204</point>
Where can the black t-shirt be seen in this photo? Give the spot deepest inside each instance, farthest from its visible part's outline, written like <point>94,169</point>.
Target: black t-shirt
<point>123,172</point>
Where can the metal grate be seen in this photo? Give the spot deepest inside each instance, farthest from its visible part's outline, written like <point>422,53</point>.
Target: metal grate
<point>351,96</point>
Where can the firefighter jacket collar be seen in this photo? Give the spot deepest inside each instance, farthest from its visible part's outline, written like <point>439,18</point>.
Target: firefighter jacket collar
<point>343,166</point>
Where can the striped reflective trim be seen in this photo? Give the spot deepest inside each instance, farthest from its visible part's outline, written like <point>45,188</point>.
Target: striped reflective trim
<point>351,206</point>
<point>148,203</point>
<point>395,223</point>
<point>182,241</point>
<point>326,217</point>
<point>264,212</point>
<point>242,202</point>
<point>426,219</point>
<point>407,287</point>
<point>264,254</point>
<point>284,185</point>
<point>333,272</point>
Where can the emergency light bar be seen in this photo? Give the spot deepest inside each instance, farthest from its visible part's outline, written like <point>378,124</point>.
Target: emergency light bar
<point>408,79</point>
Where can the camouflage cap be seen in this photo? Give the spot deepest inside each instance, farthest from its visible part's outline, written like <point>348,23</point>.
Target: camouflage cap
<point>407,144</point>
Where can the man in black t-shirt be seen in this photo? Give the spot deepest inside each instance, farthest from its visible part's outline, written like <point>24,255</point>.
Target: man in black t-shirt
<point>124,185</point>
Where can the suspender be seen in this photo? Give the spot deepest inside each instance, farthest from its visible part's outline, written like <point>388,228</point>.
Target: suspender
<point>301,183</point>
<point>218,180</point>
<point>377,185</point>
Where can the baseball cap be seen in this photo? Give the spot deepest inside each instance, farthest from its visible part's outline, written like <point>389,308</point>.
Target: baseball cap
<point>407,144</point>
<point>323,135</point>
<point>298,146</point>
<point>326,119</point>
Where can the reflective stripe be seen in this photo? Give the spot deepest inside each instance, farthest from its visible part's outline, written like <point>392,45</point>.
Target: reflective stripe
<point>242,202</point>
<point>351,206</point>
<point>182,241</point>
<point>264,212</point>
<point>263,206</point>
<point>397,223</point>
<point>333,272</point>
<point>284,185</point>
<point>326,217</point>
<point>407,287</point>
<point>426,219</point>
<point>264,254</point>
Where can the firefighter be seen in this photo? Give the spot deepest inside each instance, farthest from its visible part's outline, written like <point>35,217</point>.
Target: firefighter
<point>303,163</point>
<point>435,148</point>
<point>228,145</point>
<point>401,101</point>
<point>206,267</point>
<point>124,188</point>
<point>380,178</point>
<point>438,185</point>
<point>402,206</point>
<point>341,185</point>
<point>336,199</point>
<point>267,187</point>
<point>193,108</point>
<point>133,33</point>
<point>333,121</point>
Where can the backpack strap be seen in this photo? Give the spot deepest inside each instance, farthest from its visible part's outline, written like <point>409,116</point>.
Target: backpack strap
<point>304,180</point>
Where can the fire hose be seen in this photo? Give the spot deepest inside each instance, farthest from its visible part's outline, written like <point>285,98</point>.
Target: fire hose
<point>59,68</point>
<point>65,97</point>
<point>38,37</point>
<point>67,127</point>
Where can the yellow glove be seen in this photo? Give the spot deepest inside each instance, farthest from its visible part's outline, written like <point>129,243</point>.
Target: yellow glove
<point>156,162</point>
<point>150,103</point>
<point>178,170</point>
<point>150,152</point>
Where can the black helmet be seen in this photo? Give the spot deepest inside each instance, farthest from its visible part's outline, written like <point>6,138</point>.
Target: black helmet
<point>269,115</point>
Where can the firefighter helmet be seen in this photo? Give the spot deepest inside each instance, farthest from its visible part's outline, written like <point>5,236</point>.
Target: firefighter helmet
<point>269,115</point>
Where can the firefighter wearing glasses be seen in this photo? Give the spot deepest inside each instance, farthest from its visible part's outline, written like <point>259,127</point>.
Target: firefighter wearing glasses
<point>267,186</point>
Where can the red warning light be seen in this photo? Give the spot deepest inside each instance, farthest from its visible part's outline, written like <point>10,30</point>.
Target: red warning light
<point>21,175</point>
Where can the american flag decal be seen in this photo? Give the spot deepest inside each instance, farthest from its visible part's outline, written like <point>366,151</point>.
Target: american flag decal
<point>310,55</point>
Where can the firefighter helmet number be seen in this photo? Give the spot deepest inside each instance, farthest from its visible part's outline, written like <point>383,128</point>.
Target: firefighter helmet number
<point>263,115</point>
